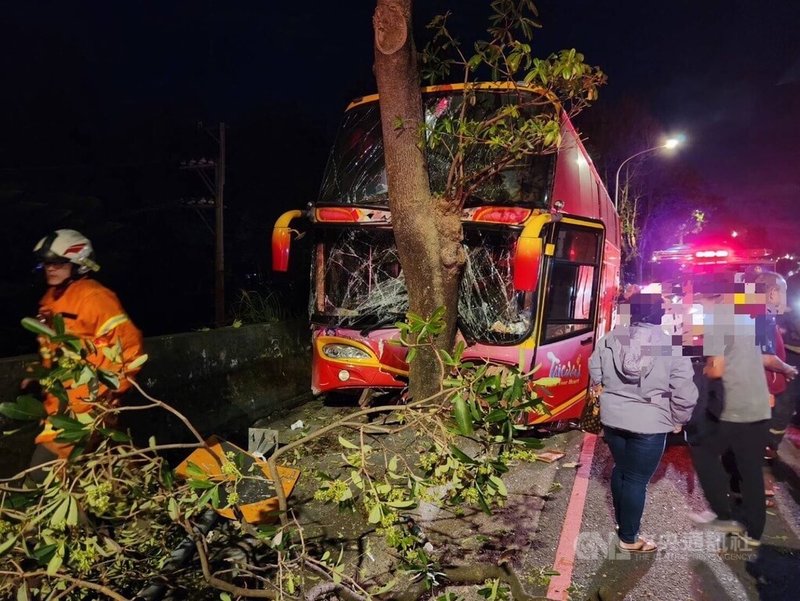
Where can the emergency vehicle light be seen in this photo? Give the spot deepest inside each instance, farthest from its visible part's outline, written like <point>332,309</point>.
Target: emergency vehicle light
<point>706,254</point>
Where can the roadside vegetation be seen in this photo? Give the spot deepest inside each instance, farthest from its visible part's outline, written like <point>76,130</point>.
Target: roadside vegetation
<point>107,520</point>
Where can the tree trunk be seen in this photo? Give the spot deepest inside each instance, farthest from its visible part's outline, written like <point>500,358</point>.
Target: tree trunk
<point>424,232</point>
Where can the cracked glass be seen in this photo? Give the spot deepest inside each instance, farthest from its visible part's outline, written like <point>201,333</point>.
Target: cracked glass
<point>490,310</point>
<point>356,279</point>
<point>355,172</point>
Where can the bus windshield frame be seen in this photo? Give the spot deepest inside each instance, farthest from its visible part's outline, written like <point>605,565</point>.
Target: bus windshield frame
<point>355,173</point>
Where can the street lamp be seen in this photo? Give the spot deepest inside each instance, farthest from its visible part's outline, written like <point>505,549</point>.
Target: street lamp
<point>668,144</point>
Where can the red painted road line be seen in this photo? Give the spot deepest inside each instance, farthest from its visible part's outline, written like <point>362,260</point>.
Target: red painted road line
<point>565,554</point>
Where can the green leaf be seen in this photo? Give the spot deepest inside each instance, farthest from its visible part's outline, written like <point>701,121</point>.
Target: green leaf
<point>496,415</point>
<point>462,416</point>
<point>37,327</point>
<point>138,362</point>
<point>72,436</point>
<point>58,324</point>
<point>346,443</point>
<point>62,422</point>
<point>167,477</point>
<point>461,455</point>
<point>44,553</point>
<point>86,376</point>
<point>60,514</point>
<point>76,451</point>
<point>72,512</point>
<point>195,471</point>
<point>201,484</point>
<point>224,596</point>
<point>7,544</point>
<point>499,485</point>
<point>56,560</point>
<point>482,502</point>
<point>26,408</point>
<point>531,443</point>
<point>206,498</point>
<point>173,510</point>
<point>114,435</point>
<point>402,504</point>
<point>110,379</point>
<point>375,514</point>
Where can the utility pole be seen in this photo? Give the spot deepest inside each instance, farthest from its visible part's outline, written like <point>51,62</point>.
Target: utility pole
<point>219,255</point>
<point>217,189</point>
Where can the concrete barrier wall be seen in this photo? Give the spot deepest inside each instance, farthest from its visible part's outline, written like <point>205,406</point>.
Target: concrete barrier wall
<point>222,380</point>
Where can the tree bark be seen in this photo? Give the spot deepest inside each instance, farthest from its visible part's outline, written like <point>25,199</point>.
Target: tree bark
<point>426,234</point>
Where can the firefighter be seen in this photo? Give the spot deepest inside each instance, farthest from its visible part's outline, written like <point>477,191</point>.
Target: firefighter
<point>91,312</point>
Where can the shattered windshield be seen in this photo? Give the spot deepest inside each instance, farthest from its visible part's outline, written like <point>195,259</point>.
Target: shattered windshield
<point>357,283</point>
<point>356,174</point>
<point>356,279</point>
<point>490,310</point>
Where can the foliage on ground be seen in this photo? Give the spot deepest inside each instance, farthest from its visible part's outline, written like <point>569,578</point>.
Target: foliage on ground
<point>105,520</point>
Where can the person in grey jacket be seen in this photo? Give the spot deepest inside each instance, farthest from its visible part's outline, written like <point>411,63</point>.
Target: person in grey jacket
<point>646,390</point>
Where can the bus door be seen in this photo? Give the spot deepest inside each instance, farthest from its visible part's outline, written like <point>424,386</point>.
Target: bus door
<point>568,312</point>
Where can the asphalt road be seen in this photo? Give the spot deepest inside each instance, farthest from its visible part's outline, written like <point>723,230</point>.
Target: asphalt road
<point>690,564</point>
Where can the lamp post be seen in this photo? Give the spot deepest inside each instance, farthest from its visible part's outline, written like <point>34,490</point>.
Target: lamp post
<point>669,144</point>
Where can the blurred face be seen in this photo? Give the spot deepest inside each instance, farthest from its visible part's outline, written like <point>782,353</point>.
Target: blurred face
<point>776,299</point>
<point>56,273</point>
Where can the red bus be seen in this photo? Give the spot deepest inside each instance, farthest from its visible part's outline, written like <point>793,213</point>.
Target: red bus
<point>543,259</point>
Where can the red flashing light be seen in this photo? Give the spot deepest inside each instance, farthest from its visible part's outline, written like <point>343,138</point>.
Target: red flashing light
<point>501,215</point>
<point>711,254</point>
<point>338,214</point>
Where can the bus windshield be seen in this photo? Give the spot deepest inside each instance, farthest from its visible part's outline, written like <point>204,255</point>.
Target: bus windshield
<point>490,310</point>
<point>357,282</point>
<point>356,173</point>
<point>356,279</point>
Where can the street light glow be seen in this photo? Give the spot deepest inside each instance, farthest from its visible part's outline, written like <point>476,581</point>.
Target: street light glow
<point>670,143</point>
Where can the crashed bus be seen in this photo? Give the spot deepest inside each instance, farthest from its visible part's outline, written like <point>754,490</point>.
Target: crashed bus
<point>542,241</point>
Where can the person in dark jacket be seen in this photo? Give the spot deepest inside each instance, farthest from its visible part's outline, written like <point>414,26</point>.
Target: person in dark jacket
<point>646,391</point>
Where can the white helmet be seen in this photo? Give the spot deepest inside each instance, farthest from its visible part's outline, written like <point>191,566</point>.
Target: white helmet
<point>68,246</point>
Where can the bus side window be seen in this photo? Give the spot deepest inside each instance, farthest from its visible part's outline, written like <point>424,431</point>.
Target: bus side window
<point>571,295</point>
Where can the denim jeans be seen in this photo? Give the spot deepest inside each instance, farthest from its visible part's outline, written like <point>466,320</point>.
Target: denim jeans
<point>636,457</point>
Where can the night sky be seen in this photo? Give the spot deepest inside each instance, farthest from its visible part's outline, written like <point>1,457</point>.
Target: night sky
<point>99,99</point>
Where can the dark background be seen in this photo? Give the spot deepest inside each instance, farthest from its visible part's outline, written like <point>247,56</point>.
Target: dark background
<point>102,101</point>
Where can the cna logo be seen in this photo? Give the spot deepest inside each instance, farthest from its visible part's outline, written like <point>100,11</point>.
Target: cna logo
<point>565,371</point>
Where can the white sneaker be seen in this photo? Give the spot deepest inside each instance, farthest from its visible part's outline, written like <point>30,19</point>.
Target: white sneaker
<point>709,520</point>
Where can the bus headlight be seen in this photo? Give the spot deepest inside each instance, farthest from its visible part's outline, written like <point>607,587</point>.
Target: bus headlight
<point>344,351</point>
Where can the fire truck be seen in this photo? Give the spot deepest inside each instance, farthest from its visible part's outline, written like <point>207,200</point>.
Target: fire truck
<point>708,256</point>
<point>542,241</point>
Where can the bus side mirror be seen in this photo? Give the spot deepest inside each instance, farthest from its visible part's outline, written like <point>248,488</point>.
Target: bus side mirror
<point>282,240</point>
<point>527,257</point>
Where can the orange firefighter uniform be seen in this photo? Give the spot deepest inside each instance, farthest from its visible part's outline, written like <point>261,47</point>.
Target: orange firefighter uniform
<point>93,313</point>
